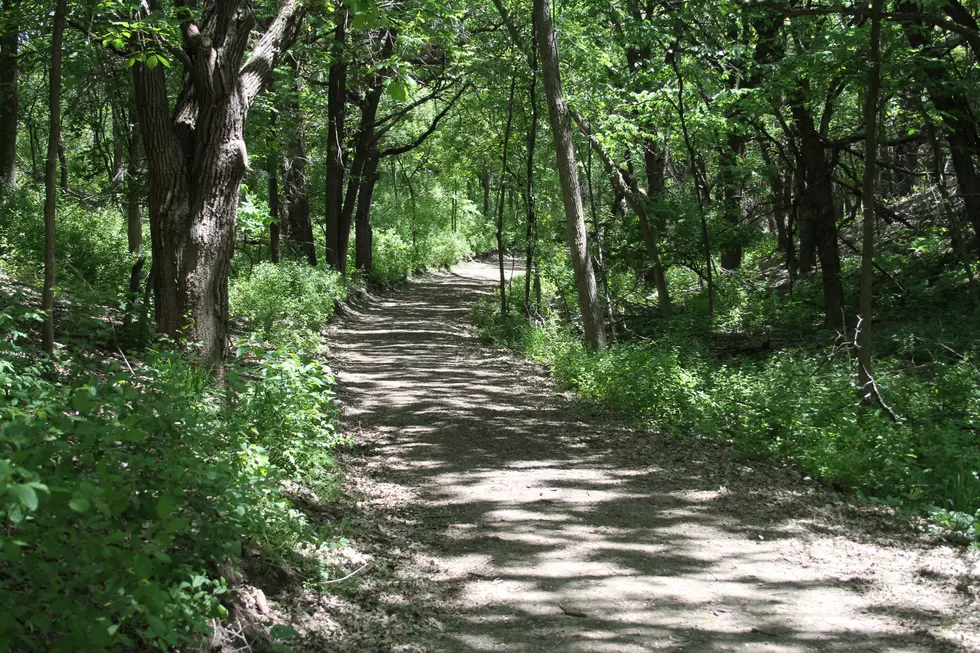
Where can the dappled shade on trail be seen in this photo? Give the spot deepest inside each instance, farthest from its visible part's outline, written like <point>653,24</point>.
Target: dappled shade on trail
<point>558,528</point>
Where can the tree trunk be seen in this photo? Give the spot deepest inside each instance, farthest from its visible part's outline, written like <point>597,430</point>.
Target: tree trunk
<point>272,168</point>
<point>529,201</point>
<point>297,225</point>
<point>819,220</point>
<point>196,159</point>
<point>864,336</point>
<point>9,94</point>
<point>119,139</point>
<point>700,183</point>
<point>954,110</point>
<point>134,212</point>
<point>732,183</point>
<point>336,114</point>
<point>500,202</point>
<point>63,165</point>
<point>50,170</point>
<point>585,283</point>
<point>364,254</point>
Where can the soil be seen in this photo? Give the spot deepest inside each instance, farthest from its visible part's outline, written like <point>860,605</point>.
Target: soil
<point>501,514</point>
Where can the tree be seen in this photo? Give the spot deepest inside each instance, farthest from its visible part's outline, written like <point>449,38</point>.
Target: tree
<point>50,189</point>
<point>196,157</point>
<point>9,93</point>
<point>561,128</point>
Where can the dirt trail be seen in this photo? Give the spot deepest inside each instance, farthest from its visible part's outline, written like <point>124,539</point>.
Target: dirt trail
<point>552,527</point>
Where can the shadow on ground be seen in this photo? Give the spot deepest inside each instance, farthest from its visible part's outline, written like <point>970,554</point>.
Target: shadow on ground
<point>557,528</point>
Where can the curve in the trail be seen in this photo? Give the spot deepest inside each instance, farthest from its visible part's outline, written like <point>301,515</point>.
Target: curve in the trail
<point>557,529</point>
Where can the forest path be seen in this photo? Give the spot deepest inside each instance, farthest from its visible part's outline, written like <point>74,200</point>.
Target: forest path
<point>553,527</point>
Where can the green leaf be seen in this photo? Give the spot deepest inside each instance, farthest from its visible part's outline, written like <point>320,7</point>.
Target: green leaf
<point>165,506</point>
<point>398,90</point>
<point>152,61</point>
<point>25,494</point>
<point>80,504</point>
<point>157,624</point>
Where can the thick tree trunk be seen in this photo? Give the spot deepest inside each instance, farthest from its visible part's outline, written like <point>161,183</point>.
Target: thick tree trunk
<point>732,183</point>
<point>336,115</point>
<point>50,191</point>
<point>196,159</point>
<point>561,128</point>
<point>297,225</point>
<point>9,94</point>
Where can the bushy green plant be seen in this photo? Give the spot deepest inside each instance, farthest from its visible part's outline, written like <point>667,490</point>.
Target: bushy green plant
<point>287,303</point>
<point>392,257</point>
<point>122,494</point>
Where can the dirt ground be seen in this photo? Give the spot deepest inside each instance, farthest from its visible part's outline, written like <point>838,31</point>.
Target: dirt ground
<point>502,515</point>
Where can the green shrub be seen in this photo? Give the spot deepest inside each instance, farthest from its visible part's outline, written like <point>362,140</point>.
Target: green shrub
<point>287,303</point>
<point>392,257</point>
<point>794,405</point>
<point>122,495</point>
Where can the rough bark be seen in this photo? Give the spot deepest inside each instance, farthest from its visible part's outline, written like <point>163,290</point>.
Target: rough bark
<point>50,170</point>
<point>196,158</point>
<point>9,94</point>
<point>561,128</point>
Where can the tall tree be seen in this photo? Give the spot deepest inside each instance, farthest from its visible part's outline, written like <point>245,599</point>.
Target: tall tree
<point>865,378</point>
<point>561,128</point>
<point>196,157</point>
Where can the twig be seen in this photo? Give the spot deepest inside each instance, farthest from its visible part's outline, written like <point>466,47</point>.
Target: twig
<point>350,575</point>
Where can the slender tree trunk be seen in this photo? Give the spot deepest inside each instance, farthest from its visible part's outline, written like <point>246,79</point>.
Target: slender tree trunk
<point>336,114</point>
<point>700,185</point>
<point>134,212</point>
<point>500,202</point>
<point>561,128</point>
<point>532,212</point>
<point>297,225</point>
<point>9,94</point>
<point>119,138</point>
<point>272,168</point>
<point>864,337</point>
<point>50,170</point>
<point>364,254</point>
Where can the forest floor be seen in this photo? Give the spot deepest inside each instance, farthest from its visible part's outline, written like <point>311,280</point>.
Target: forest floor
<point>504,515</point>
